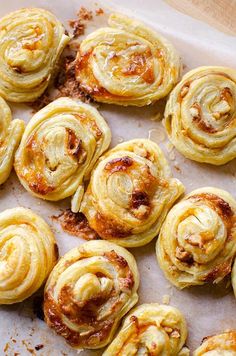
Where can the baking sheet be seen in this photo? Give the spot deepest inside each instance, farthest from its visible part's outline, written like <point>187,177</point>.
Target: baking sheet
<point>208,309</point>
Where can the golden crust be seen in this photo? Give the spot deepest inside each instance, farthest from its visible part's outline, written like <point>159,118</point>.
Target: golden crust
<point>218,345</point>
<point>150,329</point>
<point>59,147</point>
<point>10,136</point>
<point>200,115</point>
<point>130,193</point>
<point>89,291</point>
<point>233,277</point>
<point>127,63</point>
<point>197,242</point>
<point>31,42</point>
<point>28,252</point>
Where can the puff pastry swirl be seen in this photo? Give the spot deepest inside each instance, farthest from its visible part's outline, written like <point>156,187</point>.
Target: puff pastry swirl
<point>150,329</point>
<point>89,291</point>
<point>60,145</point>
<point>31,41</point>
<point>197,242</point>
<point>127,63</point>
<point>28,252</point>
<point>130,193</point>
<point>200,115</point>
<point>218,345</point>
<point>10,136</point>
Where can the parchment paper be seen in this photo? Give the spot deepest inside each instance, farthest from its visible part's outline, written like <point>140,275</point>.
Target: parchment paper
<point>208,309</point>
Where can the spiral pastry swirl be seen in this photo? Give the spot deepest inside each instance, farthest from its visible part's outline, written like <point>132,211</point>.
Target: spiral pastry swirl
<point>130,193</point>
<point>89,291</point>
<point>59,147</point>
<point>200,115</point>
<point>150,329</point>
<point>127,63</point>
<point>31,41</point>
<point>218,345</point>
<point>10,136</point>
<point>197,242</point>
<point>28,252</point>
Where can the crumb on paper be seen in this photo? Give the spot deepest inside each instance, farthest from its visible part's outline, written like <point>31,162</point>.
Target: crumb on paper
<point>76,224</point>
<point>78,24</point>
<point>66,83</point>
<point>78,27</point>
<point>166,299</point>
<point>28,347</point>
<point>178,169</point>
<point>42,101</point>
<point>84,14</point>
<point>99,11</point>
<point>6,347</point>
<point>39,347</point>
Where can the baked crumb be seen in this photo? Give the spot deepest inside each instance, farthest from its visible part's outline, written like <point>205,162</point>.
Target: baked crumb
<point>78,27</point>
<point>84,14</point>
<point>178,169</point>
<point>66,83</point>
<point>39,347</point>
<point>76,224</point>
<point>99,11</point>
<point>42,101</point>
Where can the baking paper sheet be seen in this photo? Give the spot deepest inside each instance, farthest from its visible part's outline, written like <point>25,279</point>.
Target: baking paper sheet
<point>208,309</point>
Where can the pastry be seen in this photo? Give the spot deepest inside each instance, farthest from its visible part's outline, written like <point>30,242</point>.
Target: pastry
<point>233,277</point>
<point>31,42</point>
<point>10,136</point>
<point>200,115</point>
<point>127,63</point>
<point>150,329</point>
<point>197,241</point>
<point>90,289</point>
<point>59,147</point>
<point>218,345</point>
<point>28,252</point>
<point>130,192</point>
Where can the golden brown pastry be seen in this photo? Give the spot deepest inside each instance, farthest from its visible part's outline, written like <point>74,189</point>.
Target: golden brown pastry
<point>31,42</point>
<point>130,192</point>
<point>10,136</point>
<point>233,277</point>
<point>28,252</point>
<point>150,329</point>
<point>200,115</point>
<point>127,63</point>
<point>218,345</point>
<point>90,289</point>
<point>197,242</point>
<point>59,147</point>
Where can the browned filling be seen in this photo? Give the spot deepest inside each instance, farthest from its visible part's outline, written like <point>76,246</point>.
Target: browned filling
<point>139,198</point>
<point>107,227</point>
<point>76,224</point>
<point>53,316</point>
<point>119,164</point>
<point>141,65</point>
<point>198,119</point>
